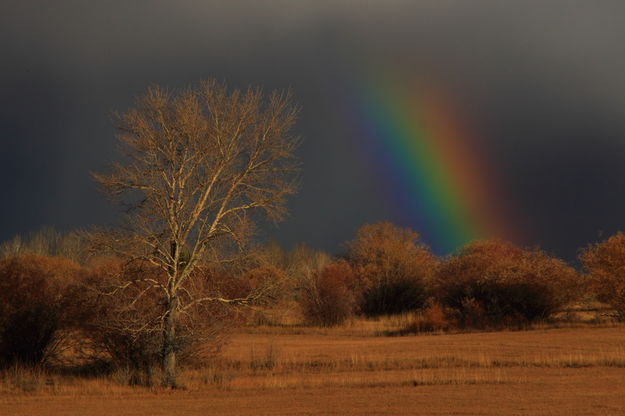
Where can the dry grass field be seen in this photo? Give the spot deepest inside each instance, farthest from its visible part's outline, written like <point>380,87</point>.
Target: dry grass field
<point>354,370</point>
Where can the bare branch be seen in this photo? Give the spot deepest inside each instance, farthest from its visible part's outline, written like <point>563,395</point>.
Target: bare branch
<point>197,161</point>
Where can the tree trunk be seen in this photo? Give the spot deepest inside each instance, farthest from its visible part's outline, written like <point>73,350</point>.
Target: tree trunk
<point>169,345</point>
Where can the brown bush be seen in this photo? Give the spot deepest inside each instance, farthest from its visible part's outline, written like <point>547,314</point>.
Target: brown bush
<point>605,264</point>
<point>35,304</point>
<point>117,319</point>
<point>328,297</point>
<point>268,284</point>
<point>123,310</point>
<point>393,268</point>
<point>494,283</point>
<point>435,318</point>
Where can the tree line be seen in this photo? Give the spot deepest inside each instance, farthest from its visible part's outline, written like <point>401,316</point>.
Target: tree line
<point>51,304</point>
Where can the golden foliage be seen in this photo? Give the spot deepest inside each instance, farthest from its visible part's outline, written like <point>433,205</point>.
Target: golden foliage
<point>35,303</point>
<point>605,264</point>
<point>495,282</point>
<point>392,266</point>
<point>328,299</point>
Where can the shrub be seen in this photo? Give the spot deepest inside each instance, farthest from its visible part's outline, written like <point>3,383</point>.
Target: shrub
<point>122,322</point>
<point>432,318</point>
<point>267,285</point>
<point>117,318</point>
<point>393,297</point>
<point>494,283</point>
<point>328,298</point>
<point>605,264</point>
<point>34,306</point>
<point>393,268</point>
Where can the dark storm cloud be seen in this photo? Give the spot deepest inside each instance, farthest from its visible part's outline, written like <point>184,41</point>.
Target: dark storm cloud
<point>542,79</point>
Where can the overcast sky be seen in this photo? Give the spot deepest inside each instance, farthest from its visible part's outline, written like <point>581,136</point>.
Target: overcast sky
<point>543,81</point>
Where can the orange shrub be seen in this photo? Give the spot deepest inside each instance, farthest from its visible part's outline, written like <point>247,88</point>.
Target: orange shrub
<point>267,284</point>
<point>605,264</point>
<point>118,317</point>
<point>328,297</point>
<point>35,303</point>
<point>393,268</point>
<point>494,283</point>
<point>124,307</point>
<point>434,317</point>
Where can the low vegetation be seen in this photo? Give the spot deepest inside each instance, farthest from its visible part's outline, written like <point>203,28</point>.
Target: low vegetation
<point>393,268</point>
<point>496,284</point>
<point>605,264</point>
<point>65,329</point>
<point>36,305</point>
<point>328,298</point>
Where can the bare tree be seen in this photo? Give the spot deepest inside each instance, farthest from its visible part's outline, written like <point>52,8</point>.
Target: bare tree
<point>46,242</point>
<point>199,164</point>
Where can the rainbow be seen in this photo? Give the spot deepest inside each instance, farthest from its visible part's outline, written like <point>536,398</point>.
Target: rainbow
<point>431,167</point>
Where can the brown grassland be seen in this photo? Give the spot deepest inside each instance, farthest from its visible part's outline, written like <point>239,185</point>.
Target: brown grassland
<point>573,369</point>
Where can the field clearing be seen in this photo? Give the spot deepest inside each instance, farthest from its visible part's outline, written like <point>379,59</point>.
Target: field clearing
<point>567,371</point>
